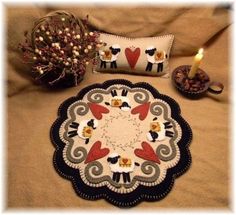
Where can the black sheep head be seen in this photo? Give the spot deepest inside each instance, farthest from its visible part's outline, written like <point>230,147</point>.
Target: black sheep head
<point>113,160</point>
<point>114,51</point>
<point>150,52</point>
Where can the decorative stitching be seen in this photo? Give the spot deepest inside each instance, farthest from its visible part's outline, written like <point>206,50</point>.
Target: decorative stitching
<point>141,193</point>
<point>170,43</point>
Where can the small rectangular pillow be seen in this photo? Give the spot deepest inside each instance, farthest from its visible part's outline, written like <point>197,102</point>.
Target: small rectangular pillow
<point>147,55</point>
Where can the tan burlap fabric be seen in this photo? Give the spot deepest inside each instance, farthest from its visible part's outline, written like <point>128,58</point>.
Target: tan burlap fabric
<point>32,181</point>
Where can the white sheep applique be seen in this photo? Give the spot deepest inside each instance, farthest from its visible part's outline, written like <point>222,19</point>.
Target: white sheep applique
<point>84,129</point>
<point>121,101</point>
<point>158,130</point>
<point>120,165</point>
<point>109,56</point>
<point>155,56</point>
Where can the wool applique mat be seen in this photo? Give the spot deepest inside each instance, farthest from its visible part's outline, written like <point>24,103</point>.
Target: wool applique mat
<point>122,142</point>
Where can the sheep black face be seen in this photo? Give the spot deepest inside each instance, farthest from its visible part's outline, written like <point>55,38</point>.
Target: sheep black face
<point>150,52</point>
<point>158,130</point>
<point>154,136</point>
<point>119,165</point>
<point>114,51</point>
<point>121,102</point>
<point>91,123</point>
<point>113,160</point>
<point>84,129</point>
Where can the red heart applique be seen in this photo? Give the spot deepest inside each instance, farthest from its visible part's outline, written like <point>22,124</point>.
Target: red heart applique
<point>132,56</point>
<point>147,153</point>
<point>97,110</point>
<point>142,110</point>
<point>96,152</point>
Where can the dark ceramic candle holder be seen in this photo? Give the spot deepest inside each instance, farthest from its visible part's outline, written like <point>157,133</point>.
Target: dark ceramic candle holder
<point>197,86</point>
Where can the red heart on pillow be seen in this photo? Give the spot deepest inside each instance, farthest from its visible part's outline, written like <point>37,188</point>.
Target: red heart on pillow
<point>147,153</point>
<point>142,110</point>
<point>96,152</point>
<point>132,56</point>
<point>97,110</point>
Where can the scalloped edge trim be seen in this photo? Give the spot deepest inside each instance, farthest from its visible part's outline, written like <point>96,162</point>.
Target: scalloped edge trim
<point>140,194</point>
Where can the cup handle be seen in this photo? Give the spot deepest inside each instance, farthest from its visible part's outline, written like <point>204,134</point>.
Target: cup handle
<point>215,84</point>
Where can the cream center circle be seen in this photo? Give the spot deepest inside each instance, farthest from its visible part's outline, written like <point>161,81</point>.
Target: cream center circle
<point>121,131</point>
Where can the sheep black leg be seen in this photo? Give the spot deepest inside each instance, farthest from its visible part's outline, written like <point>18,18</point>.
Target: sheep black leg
<point>124,177</point>
<point>160,67</point>
<point>149,67</point>
<point>72,133</point>
<point>87,141</point>
<point>115,65</point>
<point>128,177</point>
<point>146,68</point>
<point>169,134</point>
<point>117,177</point>
<point>114,93</point>
<point>74,125</point>
<point>114,176</point>
<point>168,125</point>
<point>103,64</point>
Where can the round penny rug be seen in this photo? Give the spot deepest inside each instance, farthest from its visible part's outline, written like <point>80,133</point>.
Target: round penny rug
<point>121,142</point>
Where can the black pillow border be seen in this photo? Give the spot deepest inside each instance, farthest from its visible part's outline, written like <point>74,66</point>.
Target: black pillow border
<point>141,193</point>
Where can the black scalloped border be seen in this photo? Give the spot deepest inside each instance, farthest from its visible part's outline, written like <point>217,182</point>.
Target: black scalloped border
<point>141,193</point>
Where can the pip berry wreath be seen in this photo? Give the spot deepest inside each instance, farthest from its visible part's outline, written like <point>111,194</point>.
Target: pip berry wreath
<point>59,49</point>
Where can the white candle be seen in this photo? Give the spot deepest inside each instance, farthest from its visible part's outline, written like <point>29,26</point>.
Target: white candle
<point>197,60</point>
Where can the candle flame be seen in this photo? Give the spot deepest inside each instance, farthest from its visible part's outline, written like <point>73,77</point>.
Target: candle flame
<point>200,51</point>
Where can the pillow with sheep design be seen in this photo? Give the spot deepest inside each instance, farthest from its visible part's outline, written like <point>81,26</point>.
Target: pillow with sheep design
<point>144,56</point>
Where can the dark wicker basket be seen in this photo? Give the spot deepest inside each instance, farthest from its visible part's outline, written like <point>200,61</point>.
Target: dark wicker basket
<point>63,65</point>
